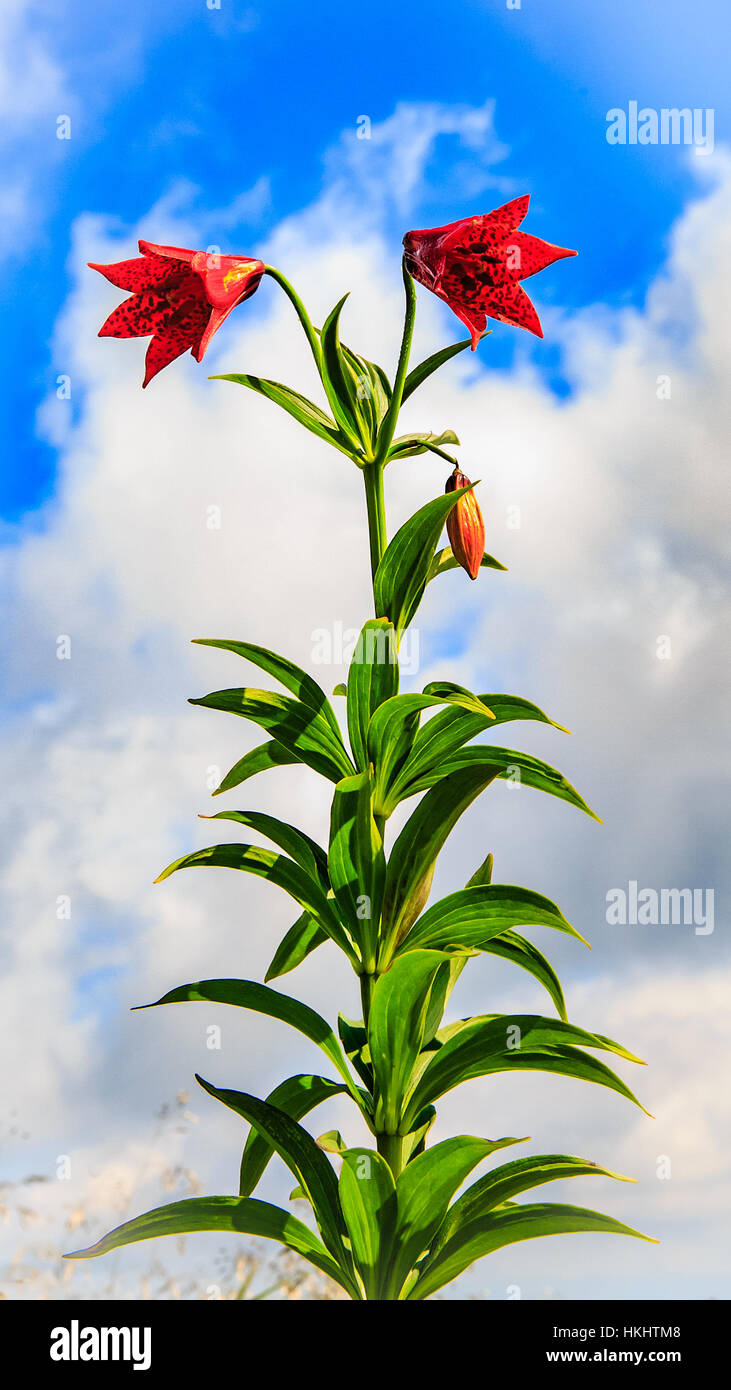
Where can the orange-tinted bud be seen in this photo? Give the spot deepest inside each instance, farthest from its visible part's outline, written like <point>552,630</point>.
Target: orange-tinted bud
<point>465,527</point>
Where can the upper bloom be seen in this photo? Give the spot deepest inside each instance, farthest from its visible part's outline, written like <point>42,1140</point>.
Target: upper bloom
<point>181,297</point>
<point>475,266</point>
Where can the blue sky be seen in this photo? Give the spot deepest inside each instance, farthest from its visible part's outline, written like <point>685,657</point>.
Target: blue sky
<point>237,127</point>
<point>246,97</point>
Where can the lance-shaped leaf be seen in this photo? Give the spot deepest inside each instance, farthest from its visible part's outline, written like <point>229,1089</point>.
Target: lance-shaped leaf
<point>396,1023</point>
<point>369,391</point>
<point>431,364</point>
<point>300,847</point>
<point>278,869</point>
<point>512,947</point>
<point>299,1151</point>
<point>423,1192</point>
<point>394,728</point>
<point>444,561</point>
<point>408,445</point>
<point>354,1038</point>
<point>259,759</point>
<point>402,574</point>
<point>356,863</point>
<point>516,1042</point>
<point>248,994</point>
<point>446,978</point>
<point>368,1200</point>
<point>296,1096</point>
<point>305,732</point>
<point>507,1181</point>
<point>411,863</point>
<point>335,377</point>
<point>304,936</point>
<point>235,1215</point>
<point>292,677</point>
<point>445,733</point>
<point>415,1141</point>
<point>304,411</point>
<point>373,677</point>
<point>482,875</point>
<point>505,1227</point>
<point>519,768</point>
<point>471,917</point>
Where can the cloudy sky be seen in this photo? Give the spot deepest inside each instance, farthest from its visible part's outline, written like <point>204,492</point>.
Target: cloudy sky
<point>237,126</point>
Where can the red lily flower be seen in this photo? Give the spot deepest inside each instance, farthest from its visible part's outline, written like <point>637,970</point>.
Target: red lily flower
<point>181,297</point>
<point>475,266</point>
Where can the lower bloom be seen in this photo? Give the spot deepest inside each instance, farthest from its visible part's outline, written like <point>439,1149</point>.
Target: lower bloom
<point>179,297</point>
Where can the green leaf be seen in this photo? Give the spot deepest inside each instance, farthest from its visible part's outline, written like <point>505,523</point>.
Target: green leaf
<point>446,978</point>
<point>332,1142</point>
<point>471,917</point>
<point>299,1151</point>
<point>304,411</point>
<point>248,994</point>
<point>356,863</point>
<point>505,1227</point>
<point>292,677</point>
<point>299,846</point>
<point>402,574</point>
<point>457,695</point>
<point>373,677</point>
<point>516,949</point>
<point>444,560</point>
<point>415,1141</point>
<point>411,863</point>
<point>369,392</point>
<point>507,1181</point>
<point>236,1215</point>
<point>396,1023</point>
<point>259,759</point>
<point>394,729</point>
<point>368,1199</point>
<point>408,445</point>
<point>483,875</point>
<point>445,733</point>
<point>419,374</point>
<point>334,379</point>
<point>296,1096</point>
<point>276,868</point>
<point>516,1042</point>
<point>303,937</point>
<point>423,1192</point>
<point>299,727</point>
<point>520,768</point>
<point>355,1041</point>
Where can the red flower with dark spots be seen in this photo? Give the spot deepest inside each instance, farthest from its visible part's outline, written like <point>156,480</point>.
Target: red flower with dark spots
<point>180,297</point>
<point>475,266</point>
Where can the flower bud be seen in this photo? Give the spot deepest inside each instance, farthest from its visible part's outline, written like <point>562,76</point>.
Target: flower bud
<point>465,527</point>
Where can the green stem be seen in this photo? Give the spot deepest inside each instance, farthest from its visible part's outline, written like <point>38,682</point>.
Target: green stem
<point>300,311</point>
<point>391,1147</point>
<point>373,479</point>
<point>367,985</point>
<point>388,428</point>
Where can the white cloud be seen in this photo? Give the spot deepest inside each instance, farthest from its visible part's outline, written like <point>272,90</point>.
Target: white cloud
<point>620,498</point>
